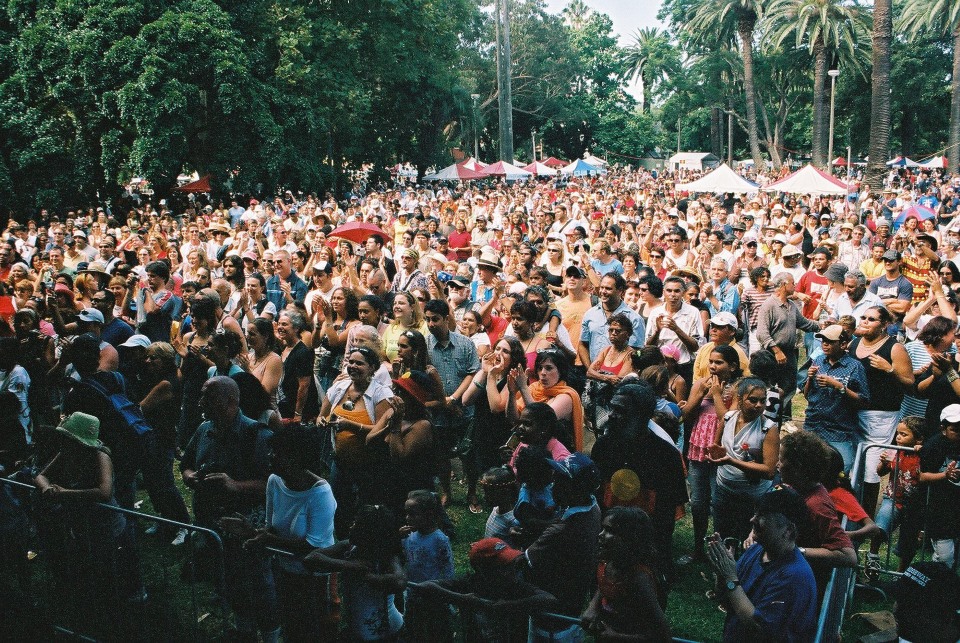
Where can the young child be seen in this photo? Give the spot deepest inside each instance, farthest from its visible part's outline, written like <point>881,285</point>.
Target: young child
<point>629,600</point>
<point>940,473</point>
<point>500,495</point>
<point>494,600</point>
<point>535,508</point>
<point>371,573</point>
<point>902,502</point>
<point>429,557</point>
<point>838,486</point>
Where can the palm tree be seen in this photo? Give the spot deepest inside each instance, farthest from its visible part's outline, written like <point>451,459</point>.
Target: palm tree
<point>940,16</point>
<point>650,52</point>
<point>576,14</point>
<point>880,99</point>
<point>721,19</point>
<point>828,29</point>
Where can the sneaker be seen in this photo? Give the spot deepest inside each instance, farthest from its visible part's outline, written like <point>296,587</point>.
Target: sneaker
<point>181,538</point>
<point>873,567</point>
<point>151,530</point>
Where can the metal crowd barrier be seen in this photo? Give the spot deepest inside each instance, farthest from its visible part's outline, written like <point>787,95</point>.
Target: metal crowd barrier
<point>843,581</point>
<point>165,612</point>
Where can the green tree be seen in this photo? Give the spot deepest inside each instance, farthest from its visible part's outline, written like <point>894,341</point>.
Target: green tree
<point>880,97</point>
<point>721,19</point>
<point>649,59</point>
<point>939,16</point>
<point>830,30</point>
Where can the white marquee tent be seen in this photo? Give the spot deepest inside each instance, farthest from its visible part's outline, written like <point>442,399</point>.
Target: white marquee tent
<point>809,180</point>
<point>720,181</point>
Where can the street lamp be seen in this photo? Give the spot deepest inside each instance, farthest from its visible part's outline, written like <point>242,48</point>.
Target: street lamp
<point>476,132</point>
<point>833,73</point>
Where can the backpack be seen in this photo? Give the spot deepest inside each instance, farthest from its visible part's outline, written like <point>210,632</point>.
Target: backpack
<point>132,420</point>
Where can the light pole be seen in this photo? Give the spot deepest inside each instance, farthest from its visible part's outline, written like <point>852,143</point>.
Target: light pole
<point>476,131</point>
<point>833,73</point>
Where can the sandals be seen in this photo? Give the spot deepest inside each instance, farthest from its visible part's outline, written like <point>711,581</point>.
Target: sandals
<point>475,506</point>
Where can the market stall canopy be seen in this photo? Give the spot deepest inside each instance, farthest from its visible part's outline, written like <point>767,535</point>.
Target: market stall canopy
<point>554,162</point>
<point>540,169</point>
<point>455,172</point>
<point>720,181</point>
<point>693,161</point>
<point>581,168</point>
<point>839,161</point>
<point>936,162</point>
<point>808,180</point>
<point>594,161</point>
<point>473,164</point>
<point>199,186</point>
<point>902,161</point>
<point>506,170</point>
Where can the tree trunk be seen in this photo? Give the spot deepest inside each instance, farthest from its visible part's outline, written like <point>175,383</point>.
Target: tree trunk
<point>745,31</point>
<point>716,133</point>
<point>503,83</point>
<point>880,99</point>
<point>820,116</point>
<point>953,149</point>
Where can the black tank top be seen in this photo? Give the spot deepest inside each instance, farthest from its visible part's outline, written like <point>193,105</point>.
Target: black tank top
<point>886,392</point>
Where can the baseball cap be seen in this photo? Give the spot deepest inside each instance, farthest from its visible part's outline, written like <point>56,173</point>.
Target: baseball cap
<point>891,255</point>
<point>492,550</point>
<point>135,341</point>
<point>90,315</point>
<point>821,250</point>
<point>579,469</point>
<point>412,253</point>
<point>831,333</point>
<point>575,271</point>
<point>951,414</point>
<point>323,266</point>
<point>783,500</point>
<point>459,282</point>
<point>724,318</point>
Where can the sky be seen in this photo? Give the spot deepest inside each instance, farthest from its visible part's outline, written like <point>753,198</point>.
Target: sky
<point>627,17</point>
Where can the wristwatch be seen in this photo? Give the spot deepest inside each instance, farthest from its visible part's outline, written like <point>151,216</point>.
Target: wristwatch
<point>732,584</point>
<point>843,391</point>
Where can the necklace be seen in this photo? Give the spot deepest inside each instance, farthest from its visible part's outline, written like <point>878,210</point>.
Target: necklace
<point>350,403</point>
<point>870,348</point>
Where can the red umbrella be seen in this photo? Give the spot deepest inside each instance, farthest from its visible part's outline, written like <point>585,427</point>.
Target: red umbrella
<point>357,231</point>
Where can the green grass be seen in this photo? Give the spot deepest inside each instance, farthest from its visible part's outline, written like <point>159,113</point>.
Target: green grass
<point>173,605</point>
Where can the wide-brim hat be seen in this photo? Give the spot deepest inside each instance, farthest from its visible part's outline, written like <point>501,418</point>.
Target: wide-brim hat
<point>96,267</point>
<point>932,240</point>
<point>83,428</point>
<point>218,227</point>
<point>489,259</point>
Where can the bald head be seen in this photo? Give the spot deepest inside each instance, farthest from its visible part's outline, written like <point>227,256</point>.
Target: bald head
<point>220,400</point>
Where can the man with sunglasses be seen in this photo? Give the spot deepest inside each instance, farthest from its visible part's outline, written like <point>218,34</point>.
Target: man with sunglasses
<point>836,388</point>
<point>893,289</point>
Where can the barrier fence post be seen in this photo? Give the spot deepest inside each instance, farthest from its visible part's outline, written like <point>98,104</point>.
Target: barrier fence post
<point>160,615</point>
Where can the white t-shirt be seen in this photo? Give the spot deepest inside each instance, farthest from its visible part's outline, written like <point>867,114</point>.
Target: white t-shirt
<point>306,515</point>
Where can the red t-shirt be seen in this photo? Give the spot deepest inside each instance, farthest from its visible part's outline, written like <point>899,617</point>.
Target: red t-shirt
<point>823,528</point>
<point>847,505</point>
<point>814,285</point>
<point>460,241</point>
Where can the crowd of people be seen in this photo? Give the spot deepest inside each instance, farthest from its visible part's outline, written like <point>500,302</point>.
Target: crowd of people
<point>593,358</point>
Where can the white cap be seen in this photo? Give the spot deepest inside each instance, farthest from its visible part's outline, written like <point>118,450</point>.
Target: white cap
<point>137,340</point>
<point>725,318</point>
<point>951,414</point>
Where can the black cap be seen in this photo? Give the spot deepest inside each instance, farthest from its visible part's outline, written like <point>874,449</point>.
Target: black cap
<point>784,500</point>
<point>575,271</point>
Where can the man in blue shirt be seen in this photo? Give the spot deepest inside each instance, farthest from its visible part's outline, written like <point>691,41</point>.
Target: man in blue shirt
<point>836,389</point>
<point>594,332</point>
<point>770,593</point>
<point>285,286</point>
<point>235,213</point>
<point>719,294</point>
<point>604,261</point>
